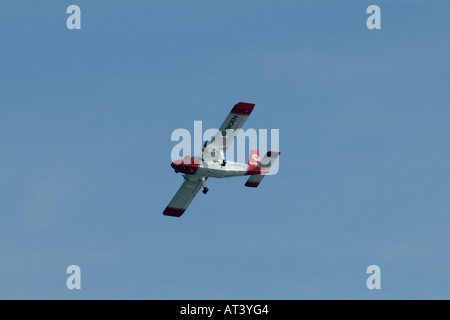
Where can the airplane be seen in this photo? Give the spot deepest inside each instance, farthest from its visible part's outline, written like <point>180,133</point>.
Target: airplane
<point>196,170</point>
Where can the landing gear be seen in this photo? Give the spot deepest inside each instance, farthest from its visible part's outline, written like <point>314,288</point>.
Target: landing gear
<point>224,163</point>
<point>205,189</point>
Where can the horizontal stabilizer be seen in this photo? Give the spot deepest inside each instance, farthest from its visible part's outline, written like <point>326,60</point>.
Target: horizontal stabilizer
<point>254,181</point>
<point>269,159</point>
<point>266,162</point>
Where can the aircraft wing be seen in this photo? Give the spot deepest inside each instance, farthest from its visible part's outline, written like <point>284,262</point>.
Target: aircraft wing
<point>228,131</point>
<point>183,198</point>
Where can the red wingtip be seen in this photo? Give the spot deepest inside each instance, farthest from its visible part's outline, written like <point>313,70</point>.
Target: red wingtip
<point>173,212</point>
<point>243,108</point>
<point>252,184</point>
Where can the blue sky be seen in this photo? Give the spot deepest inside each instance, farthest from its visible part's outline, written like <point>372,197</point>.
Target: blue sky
<point>86,118</point>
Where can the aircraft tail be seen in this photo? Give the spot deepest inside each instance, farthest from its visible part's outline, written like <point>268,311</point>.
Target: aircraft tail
<point>254,159</point>
<point>266,162</point>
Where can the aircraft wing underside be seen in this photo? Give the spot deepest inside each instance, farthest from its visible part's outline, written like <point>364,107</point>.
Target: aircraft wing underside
<point>228,131</point>
<point>184,196</point>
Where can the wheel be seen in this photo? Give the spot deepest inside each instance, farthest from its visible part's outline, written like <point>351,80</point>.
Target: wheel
<point>205,190</point>
<point>224,163</point>
<point>176,171</point>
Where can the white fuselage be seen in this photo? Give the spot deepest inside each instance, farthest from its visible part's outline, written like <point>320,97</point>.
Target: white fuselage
<point>194,167</point>
<point>216,170</point>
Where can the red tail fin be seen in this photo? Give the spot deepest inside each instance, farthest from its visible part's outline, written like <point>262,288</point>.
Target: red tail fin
<point>254,159</point>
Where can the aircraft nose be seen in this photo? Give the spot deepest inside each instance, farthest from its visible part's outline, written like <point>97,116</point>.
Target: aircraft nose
<point>176,164</point>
